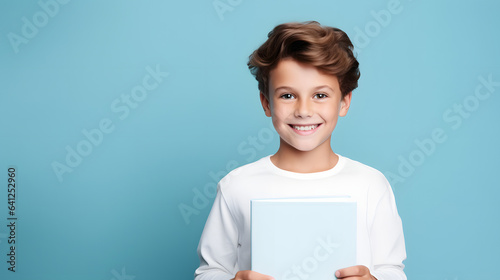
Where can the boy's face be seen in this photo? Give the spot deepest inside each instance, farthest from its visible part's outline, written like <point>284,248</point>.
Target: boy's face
<point>304,104</point>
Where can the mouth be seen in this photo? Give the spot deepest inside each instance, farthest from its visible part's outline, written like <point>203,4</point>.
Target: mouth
<point>304,129</point>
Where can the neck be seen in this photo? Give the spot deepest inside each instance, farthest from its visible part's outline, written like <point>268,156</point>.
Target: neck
<point>288,158</point>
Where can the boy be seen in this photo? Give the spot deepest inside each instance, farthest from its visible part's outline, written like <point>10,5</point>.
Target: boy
<point>306,74</point>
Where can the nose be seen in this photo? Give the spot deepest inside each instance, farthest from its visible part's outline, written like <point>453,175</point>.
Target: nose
<point>303,108</point>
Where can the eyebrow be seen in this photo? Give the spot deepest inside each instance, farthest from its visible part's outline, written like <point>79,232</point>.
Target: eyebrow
<point>292,89</point>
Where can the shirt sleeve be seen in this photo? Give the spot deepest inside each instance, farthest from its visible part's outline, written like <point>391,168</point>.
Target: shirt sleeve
<point>218,244</point>
<point>387,239</point>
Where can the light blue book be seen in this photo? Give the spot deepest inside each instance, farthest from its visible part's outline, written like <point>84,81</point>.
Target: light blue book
<point>303,238</point>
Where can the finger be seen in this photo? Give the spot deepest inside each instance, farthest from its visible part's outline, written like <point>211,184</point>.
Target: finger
<point>259,276</point>
<point>251,275</point>
<point>358,270</point>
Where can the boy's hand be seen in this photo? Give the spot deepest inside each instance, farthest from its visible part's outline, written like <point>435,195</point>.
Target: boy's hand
<point>358,272</point>
<point>251,275</point>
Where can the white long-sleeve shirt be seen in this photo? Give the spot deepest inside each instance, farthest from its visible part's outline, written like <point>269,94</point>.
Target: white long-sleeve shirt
<point>224,247</point>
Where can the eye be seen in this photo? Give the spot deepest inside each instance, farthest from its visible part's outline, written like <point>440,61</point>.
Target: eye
<point>320,95</point>
<point>287,96</point>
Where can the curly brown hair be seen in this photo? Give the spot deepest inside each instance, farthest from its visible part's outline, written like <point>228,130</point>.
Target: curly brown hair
<point>327,48</point>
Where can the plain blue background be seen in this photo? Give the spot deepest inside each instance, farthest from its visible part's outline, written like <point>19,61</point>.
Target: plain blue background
<point>117,213</point>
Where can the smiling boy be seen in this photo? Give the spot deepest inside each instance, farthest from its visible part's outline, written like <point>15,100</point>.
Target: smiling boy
<point>305,107</point>
<point>306,74</point>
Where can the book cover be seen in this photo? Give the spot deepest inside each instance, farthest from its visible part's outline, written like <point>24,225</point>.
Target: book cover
<point>303,238</point>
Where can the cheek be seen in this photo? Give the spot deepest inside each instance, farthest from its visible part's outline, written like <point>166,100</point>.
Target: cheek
<point>278,120</point>
<point>331,116</point>
<point>276,113</point>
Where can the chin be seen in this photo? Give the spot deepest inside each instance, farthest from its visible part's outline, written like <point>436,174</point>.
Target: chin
<point>304,148</point>
<point>308,149</point>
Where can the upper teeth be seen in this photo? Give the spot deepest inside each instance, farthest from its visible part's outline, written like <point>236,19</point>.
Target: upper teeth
<point>308,127</point>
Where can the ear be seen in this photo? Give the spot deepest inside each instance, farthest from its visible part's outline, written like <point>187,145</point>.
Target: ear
<point>265,104</point>
<point>345,103</point>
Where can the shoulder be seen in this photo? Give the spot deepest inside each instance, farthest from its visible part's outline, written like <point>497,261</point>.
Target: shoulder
<point>244,174</point>
<point>251,168</point>
<point>366,175</point>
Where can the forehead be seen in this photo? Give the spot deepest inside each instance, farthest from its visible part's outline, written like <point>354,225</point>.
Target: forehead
<point>291,73</point>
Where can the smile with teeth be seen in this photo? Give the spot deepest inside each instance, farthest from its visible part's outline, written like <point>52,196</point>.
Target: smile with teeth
<point>305,127</point>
